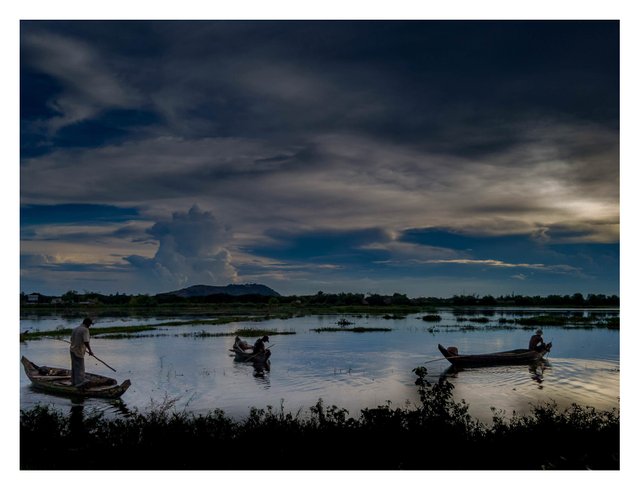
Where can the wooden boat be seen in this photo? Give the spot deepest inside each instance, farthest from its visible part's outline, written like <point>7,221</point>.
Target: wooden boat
<point>58,381</point>
<point>249,356</point>
<point>517,356</point>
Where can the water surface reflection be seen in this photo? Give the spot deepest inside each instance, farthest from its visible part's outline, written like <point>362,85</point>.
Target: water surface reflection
<point>350,370</point>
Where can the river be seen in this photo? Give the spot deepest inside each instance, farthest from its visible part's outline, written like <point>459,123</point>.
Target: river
<point>347,369</point>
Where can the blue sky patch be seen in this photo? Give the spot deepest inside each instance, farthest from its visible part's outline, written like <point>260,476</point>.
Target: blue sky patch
<point>36,214</point>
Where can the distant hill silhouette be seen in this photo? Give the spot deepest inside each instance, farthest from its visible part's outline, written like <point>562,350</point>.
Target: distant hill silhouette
<point>231,290</point>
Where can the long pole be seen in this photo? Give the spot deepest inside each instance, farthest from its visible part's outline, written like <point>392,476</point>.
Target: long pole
<point>434,360</point>
<point>92,355</point>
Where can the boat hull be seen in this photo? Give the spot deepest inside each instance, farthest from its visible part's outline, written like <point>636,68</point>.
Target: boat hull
<point>249,356</point>
<point>513,357</point>
<point>58,381</point>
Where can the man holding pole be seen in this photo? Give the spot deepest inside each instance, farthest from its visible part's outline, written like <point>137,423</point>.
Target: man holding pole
<point>79,345</point>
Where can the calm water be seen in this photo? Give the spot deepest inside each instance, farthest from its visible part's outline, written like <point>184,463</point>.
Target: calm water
<point>350,370</point>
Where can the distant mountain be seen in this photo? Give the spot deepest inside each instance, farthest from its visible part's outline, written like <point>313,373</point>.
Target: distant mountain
<point>231,290</point>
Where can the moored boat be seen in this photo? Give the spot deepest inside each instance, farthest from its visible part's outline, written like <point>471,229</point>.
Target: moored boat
<point>516,356</point>
<point>58,381</point>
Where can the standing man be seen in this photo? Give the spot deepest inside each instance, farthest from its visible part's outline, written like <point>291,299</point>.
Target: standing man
<point>79,345</point>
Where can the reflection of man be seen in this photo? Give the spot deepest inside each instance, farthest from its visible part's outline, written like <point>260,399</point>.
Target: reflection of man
<point>79,345</point>
<point>536,343</point>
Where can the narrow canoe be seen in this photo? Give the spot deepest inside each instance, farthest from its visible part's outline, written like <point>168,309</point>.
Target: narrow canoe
<point>249,356</point>
<point>517,356</point>
<point>58,381</point>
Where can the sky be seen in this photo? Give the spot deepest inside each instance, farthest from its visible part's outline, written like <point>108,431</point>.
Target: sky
<point>428,158</point>
<point>365,158</point>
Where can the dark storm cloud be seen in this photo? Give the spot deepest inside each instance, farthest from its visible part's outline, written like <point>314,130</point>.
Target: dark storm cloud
<point>88,86</point>
<point>324,246</point>
<point>543,256</point>
<point>410,81</point>
<point>339,135</point>
<point>434,249</point>
<point>80,223</point>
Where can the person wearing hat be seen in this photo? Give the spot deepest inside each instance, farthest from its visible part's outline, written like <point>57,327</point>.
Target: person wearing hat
<point>79,345</point>
<point>259,347</point>
<point>241,344</point>
<point>536,342</point>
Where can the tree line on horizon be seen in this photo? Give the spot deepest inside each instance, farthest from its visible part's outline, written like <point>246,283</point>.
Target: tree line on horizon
<point>327,299</point>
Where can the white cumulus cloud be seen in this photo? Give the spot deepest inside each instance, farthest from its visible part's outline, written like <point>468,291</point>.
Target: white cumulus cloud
<point>191,251</point>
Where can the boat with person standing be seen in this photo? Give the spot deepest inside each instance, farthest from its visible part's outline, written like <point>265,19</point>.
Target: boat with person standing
<point>58,381</point>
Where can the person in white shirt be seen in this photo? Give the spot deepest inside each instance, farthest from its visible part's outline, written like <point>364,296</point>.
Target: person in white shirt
<point>79,345</point>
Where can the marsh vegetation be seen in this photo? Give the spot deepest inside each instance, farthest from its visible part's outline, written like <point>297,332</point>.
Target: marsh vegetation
<point>352,329</point>
<point>438,433</point>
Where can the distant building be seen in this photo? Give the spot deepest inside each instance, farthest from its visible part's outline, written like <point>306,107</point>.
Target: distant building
<point>33,298</point>
<point>56,301</point>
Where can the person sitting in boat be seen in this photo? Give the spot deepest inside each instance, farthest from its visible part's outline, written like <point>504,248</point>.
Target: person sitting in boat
<point>241,344</point>
<point>259,346</point>
<point>536,343</point>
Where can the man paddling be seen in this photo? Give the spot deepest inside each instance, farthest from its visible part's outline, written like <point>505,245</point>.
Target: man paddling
<point>79,345</point>
<point>259,347</point>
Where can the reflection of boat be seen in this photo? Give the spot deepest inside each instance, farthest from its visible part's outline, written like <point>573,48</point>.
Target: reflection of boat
<point>261,368</point>
<point>58,380</point>
<point>249,356</point>
<point>517,356</point>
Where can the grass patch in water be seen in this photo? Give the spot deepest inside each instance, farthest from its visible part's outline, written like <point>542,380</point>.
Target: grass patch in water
<point>544,320</point>
<point>353,329</point>
<point>209,321</point>
<point>343,321</point>
<point>431,318</point>
<point>132,330</point>
<point>466,328</point>
<point>571,321</point>
<point>243,332</point>
<point>613,323</point>
<point>395,316</point>
<point>117,336</point>
<point>95,332</point>
<point>479,319</point>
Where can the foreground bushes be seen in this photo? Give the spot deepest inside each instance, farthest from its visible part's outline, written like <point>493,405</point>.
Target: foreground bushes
<point>438,434</point>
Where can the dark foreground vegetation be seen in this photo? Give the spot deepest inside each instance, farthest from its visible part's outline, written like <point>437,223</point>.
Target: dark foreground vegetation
<point>438,434</point>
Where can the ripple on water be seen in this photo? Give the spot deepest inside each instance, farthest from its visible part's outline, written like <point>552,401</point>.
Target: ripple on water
<point>564,381</point>
<point>589,382</point>
<point>342,368</point>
